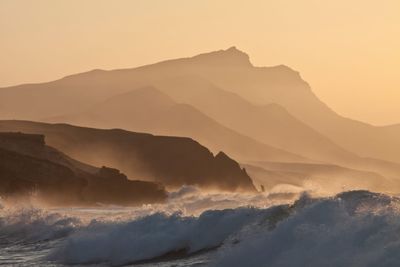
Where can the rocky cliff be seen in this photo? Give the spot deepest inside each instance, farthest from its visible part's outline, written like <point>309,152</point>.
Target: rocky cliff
<point>172,161</point>
<point>28,167</point>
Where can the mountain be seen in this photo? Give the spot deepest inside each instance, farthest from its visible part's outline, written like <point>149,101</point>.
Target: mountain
<point>283,86</point>
<point>149,110</point>
<point>189,105</point>
<point>28,167</point>
<point>230,70</point>
<point>252,113</point>
<point>271,124</point>
<point>172,161</point>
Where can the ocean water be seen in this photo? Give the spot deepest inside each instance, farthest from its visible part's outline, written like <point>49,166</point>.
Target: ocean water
<point>356,228</point>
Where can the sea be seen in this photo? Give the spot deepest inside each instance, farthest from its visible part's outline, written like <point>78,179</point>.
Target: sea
<point>286,228</point>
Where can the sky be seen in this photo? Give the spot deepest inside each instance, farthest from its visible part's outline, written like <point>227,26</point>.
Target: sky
<point>347,50</point>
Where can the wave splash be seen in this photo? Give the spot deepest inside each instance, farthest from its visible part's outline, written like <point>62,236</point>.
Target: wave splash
<point>356,228</point>
<point>152,236</point>
<point>30,225</point>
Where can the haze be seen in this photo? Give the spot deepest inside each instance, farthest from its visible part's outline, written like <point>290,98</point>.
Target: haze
<point>346,50</point>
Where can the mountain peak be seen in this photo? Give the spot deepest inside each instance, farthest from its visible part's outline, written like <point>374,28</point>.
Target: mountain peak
<point>228,57</point>
<point>233,49</point>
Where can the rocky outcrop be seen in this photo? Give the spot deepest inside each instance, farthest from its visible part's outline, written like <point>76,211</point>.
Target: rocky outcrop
<point>111,186</point>
<point>28,167</point>
<point>228,167</point>
<point>22,175</point>
<point>172,161</point>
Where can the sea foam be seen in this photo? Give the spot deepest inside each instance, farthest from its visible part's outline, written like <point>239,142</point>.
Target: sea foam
<point>357,228</point>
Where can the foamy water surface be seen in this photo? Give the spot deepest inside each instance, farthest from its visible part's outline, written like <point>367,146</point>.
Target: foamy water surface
<point>282,228</point>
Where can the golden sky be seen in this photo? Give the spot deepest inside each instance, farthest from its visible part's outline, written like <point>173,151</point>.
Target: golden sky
<point>348,50</point>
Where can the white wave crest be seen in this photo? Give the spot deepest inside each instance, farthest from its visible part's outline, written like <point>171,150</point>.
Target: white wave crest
<point>29,225</point>
<point>358,229</point>
<point>152,236</point>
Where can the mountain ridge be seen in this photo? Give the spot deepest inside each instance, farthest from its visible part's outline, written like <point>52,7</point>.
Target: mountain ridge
<point>259,85</point>
<point>151,110</point>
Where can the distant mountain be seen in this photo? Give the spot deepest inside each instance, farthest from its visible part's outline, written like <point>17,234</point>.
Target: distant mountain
<point>28,167</point>
<point>283,86</point>
<point>230,70</point>
<point>221,100</point>
<point>172,161</point>
<point>149,110</point>
<point>271,124</point>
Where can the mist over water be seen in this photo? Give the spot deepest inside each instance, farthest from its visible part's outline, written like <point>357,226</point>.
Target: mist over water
<point>281,228</point>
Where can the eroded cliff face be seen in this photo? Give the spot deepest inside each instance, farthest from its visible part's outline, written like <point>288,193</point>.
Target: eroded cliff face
<point>109,185</point>
<point>22,175</point>
<point>30,168</point>
<point>228,167</point>
<point>172,161</point>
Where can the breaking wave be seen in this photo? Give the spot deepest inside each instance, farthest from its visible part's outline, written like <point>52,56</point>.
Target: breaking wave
<point>24,226</point>
<point>356,228</point>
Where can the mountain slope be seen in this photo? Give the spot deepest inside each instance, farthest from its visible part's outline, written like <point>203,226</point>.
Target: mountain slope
<point>270,124</point>
<point>230,70</point>
<point>172,161</point>
<point>149,110</point>
<point>282,85</point>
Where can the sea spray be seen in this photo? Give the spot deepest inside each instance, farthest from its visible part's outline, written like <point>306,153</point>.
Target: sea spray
<point>352,229</point>
<point>357,228</point>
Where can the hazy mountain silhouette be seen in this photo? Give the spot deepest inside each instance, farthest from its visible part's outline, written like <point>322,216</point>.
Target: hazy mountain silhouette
<point>28,167</point>
<point>282,85</point>
<point>230,70</point>
<point>172,161</point>
<point>268,123</point>
<point>279,110</point>
<point>149,110</point>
